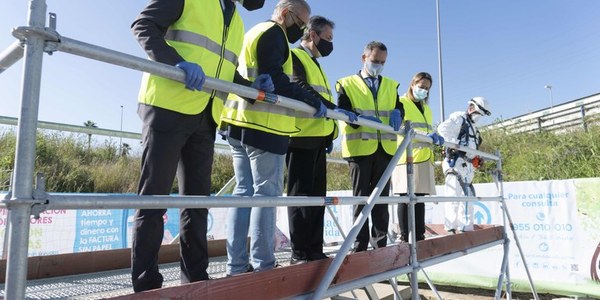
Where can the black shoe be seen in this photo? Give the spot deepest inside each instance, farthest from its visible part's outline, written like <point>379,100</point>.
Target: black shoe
<point>145,283</point>
<point>402,238</point>
<point>297,261</point>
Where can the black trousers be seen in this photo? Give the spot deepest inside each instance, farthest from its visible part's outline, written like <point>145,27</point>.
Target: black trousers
<point>307,176</point>
<point>419,219</point>
<point>179,144</point>
<point>366,172</point>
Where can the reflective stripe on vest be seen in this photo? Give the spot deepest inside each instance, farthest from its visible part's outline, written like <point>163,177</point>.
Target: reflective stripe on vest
<point>370,136</point>
<point>256,107</point>
<point>420,122</point>
<point>308,125</point>
<point>198,39</point>
<point>201,41</point>
<point>260,116</point>
<point>365,140</point>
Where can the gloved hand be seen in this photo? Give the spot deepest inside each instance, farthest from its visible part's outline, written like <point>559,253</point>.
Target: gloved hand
<point>321,111</point>
<point>396,119</point>
<point>263,82</point>
<point>194,75</point>
<point>329,148</point>
<point>371,118</point>
<point>437,139</point>
<point>351,116</point>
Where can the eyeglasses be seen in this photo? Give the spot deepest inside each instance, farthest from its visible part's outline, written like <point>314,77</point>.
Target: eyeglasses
<point>294,17</point>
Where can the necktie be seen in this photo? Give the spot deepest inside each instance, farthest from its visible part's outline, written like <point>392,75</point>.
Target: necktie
<point>372,87</point>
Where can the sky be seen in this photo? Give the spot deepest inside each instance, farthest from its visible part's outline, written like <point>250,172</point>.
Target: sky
<point>506,51</point>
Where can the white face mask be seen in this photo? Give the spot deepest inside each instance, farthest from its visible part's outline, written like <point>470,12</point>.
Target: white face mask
<point>419,93</point>
<point>475,117</point>
<point>373,69</point>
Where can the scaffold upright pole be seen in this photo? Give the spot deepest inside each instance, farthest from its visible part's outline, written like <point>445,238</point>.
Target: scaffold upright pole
<point>22,186</point>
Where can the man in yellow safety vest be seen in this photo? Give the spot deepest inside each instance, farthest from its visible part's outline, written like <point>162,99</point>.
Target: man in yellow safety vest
<point>368,150</point>
<point>201,38</point>
<point>306,156</point>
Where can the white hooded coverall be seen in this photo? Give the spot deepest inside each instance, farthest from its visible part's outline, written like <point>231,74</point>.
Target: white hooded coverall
<point>459,215</point>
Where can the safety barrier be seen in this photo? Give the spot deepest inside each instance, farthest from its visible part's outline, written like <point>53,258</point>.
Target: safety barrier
<point>26,198</point>
<point>573,115</point>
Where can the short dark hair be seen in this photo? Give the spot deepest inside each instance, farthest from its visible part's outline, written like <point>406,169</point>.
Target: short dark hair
<point>375,44</point>
<point>317,24</point>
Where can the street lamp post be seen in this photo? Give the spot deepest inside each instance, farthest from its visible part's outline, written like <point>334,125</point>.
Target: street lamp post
<point>439,44</point>
<point>551,97</point>
<point>121,133</point>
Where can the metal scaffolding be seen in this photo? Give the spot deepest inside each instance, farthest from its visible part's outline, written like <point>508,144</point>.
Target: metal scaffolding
<point>26,198</point>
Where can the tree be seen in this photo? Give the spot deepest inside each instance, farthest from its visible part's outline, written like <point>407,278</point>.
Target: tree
<point>90,124</point>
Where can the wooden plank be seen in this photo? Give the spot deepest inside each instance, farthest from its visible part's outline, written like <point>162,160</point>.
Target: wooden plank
<point>379,260</point>
<point>284,282</point>
<point>89,262</point>
<point>273,284</point>
<point>457,242</point>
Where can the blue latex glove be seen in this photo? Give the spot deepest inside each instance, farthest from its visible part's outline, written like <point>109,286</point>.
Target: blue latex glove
<point>437,139</point>
<point>321,111</point>
<point>371,118</point>
<point>263,82</point>
<point>329,148</point>
<point>351,116</point>
<point>396,119</point>
<point>194,75</point>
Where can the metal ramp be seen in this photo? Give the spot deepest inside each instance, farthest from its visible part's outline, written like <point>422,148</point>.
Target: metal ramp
<point>114,283</point>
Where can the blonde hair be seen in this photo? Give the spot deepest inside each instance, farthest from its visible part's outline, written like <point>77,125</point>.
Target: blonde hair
<point>418,77</point>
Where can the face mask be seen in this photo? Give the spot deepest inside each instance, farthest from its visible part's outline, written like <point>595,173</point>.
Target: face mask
<point>419,93</point>
<point>475,117</point>
<point>294,33</point>
<point>373,69</point>
<point>324,47</point>
<point>252,4</point>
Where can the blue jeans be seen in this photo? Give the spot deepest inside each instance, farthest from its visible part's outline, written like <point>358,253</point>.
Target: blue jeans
<point>257,173</point>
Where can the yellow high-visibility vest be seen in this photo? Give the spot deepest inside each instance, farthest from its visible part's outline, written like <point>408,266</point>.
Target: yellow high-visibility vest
<point>308,125</point>
<point>422,123</point>
<point>365,140</point>
<point>201,37</point>
<point>260,116</point>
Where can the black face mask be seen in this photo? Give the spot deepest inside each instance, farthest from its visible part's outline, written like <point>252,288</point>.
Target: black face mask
<point>324,47</point>
<point>252,4</point>
<point>294,33</point>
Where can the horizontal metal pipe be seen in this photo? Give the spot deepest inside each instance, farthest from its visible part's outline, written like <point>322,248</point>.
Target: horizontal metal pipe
<point>11,55</point>
<point>107,201</point>
<point>120,201</point>
<point>457,199</point>
<point>133,62</point>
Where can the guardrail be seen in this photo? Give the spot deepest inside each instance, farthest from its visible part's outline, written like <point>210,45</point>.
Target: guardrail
<point>573,115</point>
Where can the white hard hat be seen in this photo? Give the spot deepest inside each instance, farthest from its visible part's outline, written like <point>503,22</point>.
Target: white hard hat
<point>481,105</point>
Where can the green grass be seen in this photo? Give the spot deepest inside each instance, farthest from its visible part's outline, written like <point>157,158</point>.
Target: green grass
<point>69,166</point>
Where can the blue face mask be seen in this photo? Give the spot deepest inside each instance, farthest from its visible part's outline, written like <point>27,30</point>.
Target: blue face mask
<point>419,93</point>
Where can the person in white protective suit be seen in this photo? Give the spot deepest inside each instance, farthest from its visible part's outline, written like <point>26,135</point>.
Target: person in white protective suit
<point>458,166</point>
